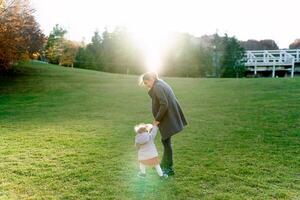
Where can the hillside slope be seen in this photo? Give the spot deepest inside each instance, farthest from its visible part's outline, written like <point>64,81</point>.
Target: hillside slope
<point>68,134</point>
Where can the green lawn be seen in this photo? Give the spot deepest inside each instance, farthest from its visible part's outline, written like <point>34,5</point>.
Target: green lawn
<point>68,134</point>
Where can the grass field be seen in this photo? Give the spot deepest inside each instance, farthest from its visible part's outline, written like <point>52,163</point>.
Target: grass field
<point>68,134</point>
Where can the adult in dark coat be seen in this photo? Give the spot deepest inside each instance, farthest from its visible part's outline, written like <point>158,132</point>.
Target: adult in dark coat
<point>167,114</point>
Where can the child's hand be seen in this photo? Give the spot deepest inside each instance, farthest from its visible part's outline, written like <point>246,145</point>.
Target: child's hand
<point>155,123</point>
<point>137,146</point>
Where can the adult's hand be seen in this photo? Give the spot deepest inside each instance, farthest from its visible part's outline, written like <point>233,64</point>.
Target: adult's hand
<point>155,123</point>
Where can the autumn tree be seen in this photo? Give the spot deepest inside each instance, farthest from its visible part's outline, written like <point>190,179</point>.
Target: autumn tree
<point>20,34</point>
<point>68,55</point>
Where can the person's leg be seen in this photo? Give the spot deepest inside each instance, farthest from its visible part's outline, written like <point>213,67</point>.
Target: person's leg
<point>167,159</point>
<point>158,170</point>
<point>143,168</point>
<point>142,172</point>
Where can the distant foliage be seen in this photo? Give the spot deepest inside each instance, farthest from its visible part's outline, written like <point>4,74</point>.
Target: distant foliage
<point>207,56</point>
<point>58,49</point>
<point>70,49</point>
<point>184,55</point>
<point>259,45</point>
<point>181,58</point>
<point>55,44</point>
<point>232,59</point>
<point>112,52</point>
<point>20,35</point>
<point>295,44</point>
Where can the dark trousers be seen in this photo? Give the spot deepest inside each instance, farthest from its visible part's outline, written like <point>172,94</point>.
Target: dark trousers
<point>167,159</point>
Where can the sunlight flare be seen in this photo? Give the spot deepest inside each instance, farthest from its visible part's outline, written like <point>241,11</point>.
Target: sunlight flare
<point>152,43</point>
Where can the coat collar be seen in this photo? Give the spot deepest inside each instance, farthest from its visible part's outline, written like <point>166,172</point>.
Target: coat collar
<point>150,92</point>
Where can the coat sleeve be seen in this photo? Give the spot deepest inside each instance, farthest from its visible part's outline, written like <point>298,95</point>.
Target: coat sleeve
<point>141,139</point>
<point>163,103</point>
<point>153,132</point>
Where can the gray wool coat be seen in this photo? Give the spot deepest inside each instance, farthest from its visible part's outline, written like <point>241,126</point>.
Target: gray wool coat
<point>166,109</point>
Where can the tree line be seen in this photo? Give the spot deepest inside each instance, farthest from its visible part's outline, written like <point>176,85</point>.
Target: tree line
<point>184,55</point>
<point>116,51</point>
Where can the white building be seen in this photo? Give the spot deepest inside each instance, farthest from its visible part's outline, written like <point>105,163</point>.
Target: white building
<point>273,63</point>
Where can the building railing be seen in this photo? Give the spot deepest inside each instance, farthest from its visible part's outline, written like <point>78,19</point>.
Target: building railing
<point>283,57</point>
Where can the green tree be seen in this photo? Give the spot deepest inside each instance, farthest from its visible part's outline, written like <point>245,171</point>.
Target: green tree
<point>182,57</point>
<point>89,56</point>
<point>232,65</point>
<point>113,52</point>
<point>55,44</point>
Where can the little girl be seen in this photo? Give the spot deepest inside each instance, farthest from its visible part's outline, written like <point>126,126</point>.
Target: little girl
<point>147,153</point>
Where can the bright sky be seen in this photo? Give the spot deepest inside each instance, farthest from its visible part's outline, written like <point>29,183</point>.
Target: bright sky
<point>245,19</point>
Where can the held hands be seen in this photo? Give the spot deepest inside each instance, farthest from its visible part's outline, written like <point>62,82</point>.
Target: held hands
<point>155,123</point>
<point>137,146</point>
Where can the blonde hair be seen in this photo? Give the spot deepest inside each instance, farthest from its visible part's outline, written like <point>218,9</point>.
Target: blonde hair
<point>142,128</point>
<point>147,76</point>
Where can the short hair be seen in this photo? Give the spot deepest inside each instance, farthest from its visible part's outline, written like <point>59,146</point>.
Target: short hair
<point>150,75</point>
<point>147,76</point>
